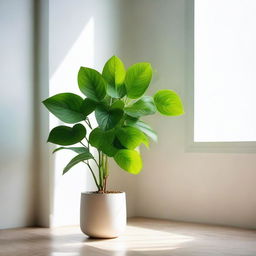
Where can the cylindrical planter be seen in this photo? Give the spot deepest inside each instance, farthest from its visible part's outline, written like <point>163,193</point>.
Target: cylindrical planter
<point>103,215</point>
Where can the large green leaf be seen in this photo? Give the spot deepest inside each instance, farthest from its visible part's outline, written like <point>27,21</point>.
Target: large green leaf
<point>137,79</point>
<point>77,159</point>
<point>142,107</point>
<point>78,150</point>
<point>66,106</point>
<point>114,74</point>
<point>88,106</point>
<point>131,137</point>
<point>107,117</point>
<point>129,160</point>
<point>64,135</point>
<point>168,103</point>
<point>104,141</point>
<point>142,127</point>
<point>91,84</point>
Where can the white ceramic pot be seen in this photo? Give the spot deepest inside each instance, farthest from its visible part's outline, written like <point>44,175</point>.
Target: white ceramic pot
<point>103,215</point>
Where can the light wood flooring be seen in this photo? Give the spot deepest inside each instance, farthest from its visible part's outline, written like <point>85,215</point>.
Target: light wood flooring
<point>142,237</point>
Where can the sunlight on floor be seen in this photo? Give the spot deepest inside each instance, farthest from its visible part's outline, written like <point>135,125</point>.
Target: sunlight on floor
<point>140,239</point>
<point>136,240</point>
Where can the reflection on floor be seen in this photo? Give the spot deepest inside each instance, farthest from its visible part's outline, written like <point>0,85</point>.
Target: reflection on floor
<point>142,237</point>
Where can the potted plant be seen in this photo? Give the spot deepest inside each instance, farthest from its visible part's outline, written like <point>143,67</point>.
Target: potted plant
<point>116,97</point>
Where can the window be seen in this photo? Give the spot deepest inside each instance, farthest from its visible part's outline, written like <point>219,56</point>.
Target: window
<point>224,70</point>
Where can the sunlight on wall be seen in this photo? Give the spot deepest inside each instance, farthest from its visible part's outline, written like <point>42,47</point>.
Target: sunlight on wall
<point>225,79</point>
<point>67,188</point>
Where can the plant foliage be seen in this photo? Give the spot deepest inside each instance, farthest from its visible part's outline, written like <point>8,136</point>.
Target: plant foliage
<point>117,98</point>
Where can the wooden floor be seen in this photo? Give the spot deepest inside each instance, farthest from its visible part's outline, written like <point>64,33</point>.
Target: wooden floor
<point>142,237</point>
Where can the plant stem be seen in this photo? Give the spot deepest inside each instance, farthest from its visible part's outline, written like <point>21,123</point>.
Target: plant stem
<point>83,144</point>
<point>93,157</point>
<point>105,172</point>
<point>95,162</point>
<point>88,144</point>
<point>105,184</point>
<point>88,123</point>
<point>101,164</point>
<point>94,177</point>
<point>100,169</point>
<point>105,161</point>
<point>106,164</point>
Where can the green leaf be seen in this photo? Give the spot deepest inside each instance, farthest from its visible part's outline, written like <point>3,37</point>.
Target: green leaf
<point>103,140</point>
<point>116,93</point>
<point>142,127</point>
<point>131,137</point>
<point>64,135</point>
<point>168,103</point>
<point>78,150</point>
<point>129,160</point>
<point>119,104</point>
<point>66,106</point>
<point>88,106</point>
<point>117,144</point>
<point>114,74</point>
<point>114,71</point>
<point>137,79</point>
<point>77,159</point>
<point>91,84</point>
<point>142,107</point>
<point>108,118</point>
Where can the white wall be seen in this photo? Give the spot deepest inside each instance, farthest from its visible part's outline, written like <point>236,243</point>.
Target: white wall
<point>176,184</point>
<point>16,72</point>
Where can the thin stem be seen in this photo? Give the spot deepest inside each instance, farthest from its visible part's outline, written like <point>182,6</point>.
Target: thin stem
<point>94,177</point>
<point>89,149</point>
<point>83,144</point>
<point>88,144</point>
<point>106,165</point>
<point>88,123</point>
<point>104,157</point>
<point>99,164</point>
<point>105,184</point>
<point>95,162</point>
<point>105,172</point>
<point>102,161</point>
<point>100,168</point>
